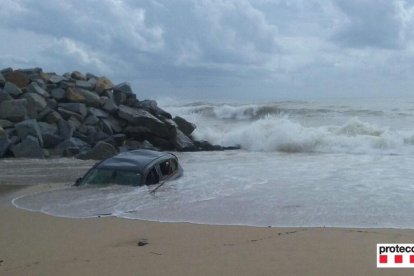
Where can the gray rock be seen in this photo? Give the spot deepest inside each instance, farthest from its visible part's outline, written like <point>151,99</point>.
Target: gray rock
<point>72,143</point>
<point>74,95</point>
<point>41,116</point>
<point>120,98</point>
<point>12,89</point>
<point>186,127</point>
<point>58,93</point>
<point>100,151</point>
<point>116,127</point>
<point>91,98</point>
<point>53,117</point>
<point>84,84</point>
<point>117,140</point>
<point>13,110</point>
<point>182,142</point>
<point>55,79</point>
<point>78,108</point>
<point>49,135</point>
<point>123,87</point>
<point>28,148</point>
<point>52,103</point>
<point>78,76</point>
<point>5,143</point>
<point>107,126</point>
<point>29,128</point>
<point>66,114</point>
<point>65,129</point>
<point>74,122</point>
<point>2,79</point>
<point>98,112</point>
<point>138,132</point>
<point>6,124</point>
<point>153,108</point>
<point>91,76</point>
<point>103,84</point>
<point>93,82</point>
<point>36,101</point>
<point>133,144</point>
<point>140,117</point>
<point>109,105</point>
<point>91,120</point>
<point>4,96</point>
<point>35,88</point>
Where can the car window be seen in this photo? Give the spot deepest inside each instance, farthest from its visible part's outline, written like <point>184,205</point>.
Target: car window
<point>152,177</point>
<point>168,167</point>
<point>111,176</point>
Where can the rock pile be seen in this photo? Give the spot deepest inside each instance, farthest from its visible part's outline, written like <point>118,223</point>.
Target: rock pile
<point>45,114</point>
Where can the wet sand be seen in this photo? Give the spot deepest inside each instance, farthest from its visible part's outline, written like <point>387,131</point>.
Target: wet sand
<point>37,244</point>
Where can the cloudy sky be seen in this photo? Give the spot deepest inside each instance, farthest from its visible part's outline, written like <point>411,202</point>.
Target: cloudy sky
<point>209,49</point>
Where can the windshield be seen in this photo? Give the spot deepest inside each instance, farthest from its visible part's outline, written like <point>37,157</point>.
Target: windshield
<point>111,176</point>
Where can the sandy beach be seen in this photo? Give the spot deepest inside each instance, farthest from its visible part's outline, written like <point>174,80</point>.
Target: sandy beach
<point>37,244</point>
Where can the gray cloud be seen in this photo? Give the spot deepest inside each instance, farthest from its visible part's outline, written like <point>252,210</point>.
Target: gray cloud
<point>211,48</point>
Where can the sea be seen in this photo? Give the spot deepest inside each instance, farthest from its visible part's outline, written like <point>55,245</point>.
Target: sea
<point>314,163</point>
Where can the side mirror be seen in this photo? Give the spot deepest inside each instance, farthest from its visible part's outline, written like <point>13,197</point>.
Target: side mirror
<point>78,181</point>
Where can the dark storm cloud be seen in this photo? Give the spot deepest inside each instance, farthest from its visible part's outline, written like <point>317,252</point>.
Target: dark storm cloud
<point>212,48</point>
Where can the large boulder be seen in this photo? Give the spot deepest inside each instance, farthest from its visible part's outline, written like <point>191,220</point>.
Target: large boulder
<point>36,88</point>
<point>13,110</point>
<point>103,84</point>
<point>49,135</point>
<point>183,143</point>
<point>109,105</point>
<point>78,108</point>
<point>5,143</point>
<point>55,79</point>
<point>66,114</point>
<point>28,148</point>
<point>98,112</point>
<point>6,124</point>
<point>71,145</point>
<point>83,84</point>
<point>53,117</point>
<point>12,89</point>
<point>18,78</point>
<point>58,93</point>
<point>29,128</point>
<point>36,101</point>
<point>186,127</point>
<point>123,87</point>
<point>91,98</point>
<point>100,151</point>
<point>65,129</point>
<point>74,95</point>
<point>4,96</point>
<point>2,79</point>
<point>153,108</point>
<point>78,76</point>
<point>141,117</point>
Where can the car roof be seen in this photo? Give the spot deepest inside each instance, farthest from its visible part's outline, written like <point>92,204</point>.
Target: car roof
<point>137,160</point>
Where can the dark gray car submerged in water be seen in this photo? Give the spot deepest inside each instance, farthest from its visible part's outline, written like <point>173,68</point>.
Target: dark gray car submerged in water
<point>134,168</point>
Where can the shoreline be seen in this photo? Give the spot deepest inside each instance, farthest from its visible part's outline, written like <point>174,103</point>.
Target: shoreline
<point>40,244</point>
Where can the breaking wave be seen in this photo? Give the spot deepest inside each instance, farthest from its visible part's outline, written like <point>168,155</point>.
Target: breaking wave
<point>299,127</point>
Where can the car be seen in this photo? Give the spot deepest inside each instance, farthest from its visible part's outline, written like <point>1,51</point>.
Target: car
<point>134,168</point>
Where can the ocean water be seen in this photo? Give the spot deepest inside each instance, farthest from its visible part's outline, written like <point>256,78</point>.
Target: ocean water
<point>333,163</point>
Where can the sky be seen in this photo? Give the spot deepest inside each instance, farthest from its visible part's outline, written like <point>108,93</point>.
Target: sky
<point>228,49</point>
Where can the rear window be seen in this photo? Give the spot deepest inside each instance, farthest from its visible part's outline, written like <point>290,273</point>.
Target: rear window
<point>109,176</point>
